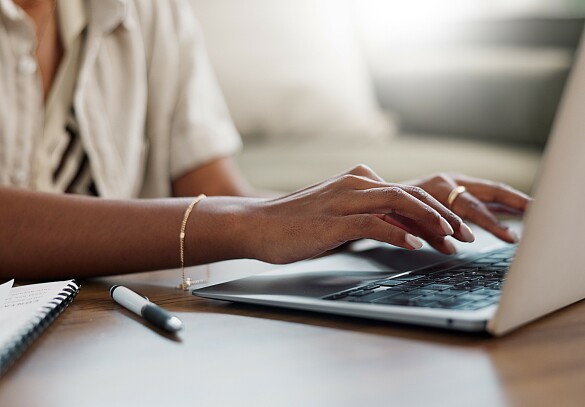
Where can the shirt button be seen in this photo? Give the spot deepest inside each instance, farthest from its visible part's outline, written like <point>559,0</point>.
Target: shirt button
<point>18,178</point>
<point>27,65</point>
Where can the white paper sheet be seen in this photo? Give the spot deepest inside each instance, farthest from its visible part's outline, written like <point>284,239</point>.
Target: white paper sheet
<point>22,306</point>
<point>4,290</point>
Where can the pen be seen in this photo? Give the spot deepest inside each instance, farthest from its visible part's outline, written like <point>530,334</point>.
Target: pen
<point>140,305</point>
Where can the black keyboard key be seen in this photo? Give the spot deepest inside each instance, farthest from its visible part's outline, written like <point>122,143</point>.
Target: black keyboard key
<point>420,292</point>
<point>472,306</point>
<point>438,287</point>
<point>466,286</point>
<point>458,280</point>
<point>454,302</point>
<point>494,279</point>
<point>438,296</point>
<point>370,287</point>
<point>472,297</point>
<point>376,295</point>
<point>360,293</point>
<point>487,292</point>
<point>424,302</point>
<point>470,285</point>
<point>398,289</point>
<point>474,274</point>
<point>390,283</point>
<point>455,292</point>
<point>413,285</point>
<point>442,279</point>
<point>497,270</point>
<point>409,277</point>
<point>449,273</point>
<point>470,268</point>
<point>427,278</point>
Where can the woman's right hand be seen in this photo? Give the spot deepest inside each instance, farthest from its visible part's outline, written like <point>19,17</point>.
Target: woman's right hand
<point>353,205</point>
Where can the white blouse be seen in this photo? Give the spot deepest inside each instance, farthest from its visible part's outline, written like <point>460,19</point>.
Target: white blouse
<point>147,104</point>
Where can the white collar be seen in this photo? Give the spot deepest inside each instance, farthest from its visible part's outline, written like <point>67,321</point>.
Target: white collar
<point>107,15</point>
<point>72,20</point>
<point>10,10</point>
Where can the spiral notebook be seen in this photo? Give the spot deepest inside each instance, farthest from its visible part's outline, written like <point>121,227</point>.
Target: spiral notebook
<point>26,311</point>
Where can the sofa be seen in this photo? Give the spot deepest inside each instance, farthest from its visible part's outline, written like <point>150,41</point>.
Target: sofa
<point>313,95</point>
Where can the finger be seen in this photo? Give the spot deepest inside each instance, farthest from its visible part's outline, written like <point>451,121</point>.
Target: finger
<point>471,208</point>
<point>504,210</point>
<point>440,243</point>
<point>493,192</point>
<point>356,227</point>
<point>401,222</point>
<point>389,198</point>
<point>461,231</point>
<point>394,200</point>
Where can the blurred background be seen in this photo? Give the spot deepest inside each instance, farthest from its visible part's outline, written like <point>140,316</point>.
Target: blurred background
<point>407,87</point>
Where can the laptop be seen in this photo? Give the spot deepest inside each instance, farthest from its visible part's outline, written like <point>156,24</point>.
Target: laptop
<point>495,289</point>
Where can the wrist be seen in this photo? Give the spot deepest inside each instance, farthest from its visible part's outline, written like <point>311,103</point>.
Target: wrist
<point>221,228</point>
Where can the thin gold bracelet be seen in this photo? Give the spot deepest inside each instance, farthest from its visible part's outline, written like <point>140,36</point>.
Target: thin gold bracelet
<point>186,282</point>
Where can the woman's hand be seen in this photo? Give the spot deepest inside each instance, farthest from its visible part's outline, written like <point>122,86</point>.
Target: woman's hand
<point>354,205</point>
<point>480,202</point>
<point>359,204</point>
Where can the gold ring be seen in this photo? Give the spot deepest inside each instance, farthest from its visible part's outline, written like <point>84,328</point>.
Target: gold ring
<point>455,192</point>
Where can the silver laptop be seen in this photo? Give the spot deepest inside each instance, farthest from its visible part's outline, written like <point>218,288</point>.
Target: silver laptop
<point>496,289</point>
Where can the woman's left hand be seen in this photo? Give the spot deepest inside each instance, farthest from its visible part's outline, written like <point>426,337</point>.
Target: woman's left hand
<point>479,201</point>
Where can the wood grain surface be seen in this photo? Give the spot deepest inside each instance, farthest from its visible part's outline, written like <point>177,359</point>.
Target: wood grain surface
<point>99,354</point>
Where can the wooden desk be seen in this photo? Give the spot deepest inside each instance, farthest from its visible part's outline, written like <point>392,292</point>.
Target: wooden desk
<point>98,354</point>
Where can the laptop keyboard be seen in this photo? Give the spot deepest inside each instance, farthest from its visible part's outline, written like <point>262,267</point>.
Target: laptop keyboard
<point>465,286</point>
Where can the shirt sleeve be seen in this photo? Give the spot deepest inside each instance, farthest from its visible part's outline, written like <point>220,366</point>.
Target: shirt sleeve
<point>201,126</point>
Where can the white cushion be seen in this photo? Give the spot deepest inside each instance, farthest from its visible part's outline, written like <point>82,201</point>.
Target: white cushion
<point>291,68</point>
<point>280,167</point>
<point>490,93</point>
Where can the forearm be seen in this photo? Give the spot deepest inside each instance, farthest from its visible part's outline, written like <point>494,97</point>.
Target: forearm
<point>45,236</point>
<point>220,177</point>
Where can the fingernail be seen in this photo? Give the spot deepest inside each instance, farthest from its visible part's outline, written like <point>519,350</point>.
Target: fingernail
<point>466,233</point>
<point>446,227</point>
<point>413,241</point>
<point>513,236</point>
<point>450,247</point>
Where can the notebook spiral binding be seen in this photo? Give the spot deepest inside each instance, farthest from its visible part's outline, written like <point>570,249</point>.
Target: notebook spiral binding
<point>47,314</point>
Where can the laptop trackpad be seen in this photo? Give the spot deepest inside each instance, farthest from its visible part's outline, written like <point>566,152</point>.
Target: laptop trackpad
<point>327,275</point>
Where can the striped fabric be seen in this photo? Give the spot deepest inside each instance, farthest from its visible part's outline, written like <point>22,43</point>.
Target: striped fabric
<point>72,174</point>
